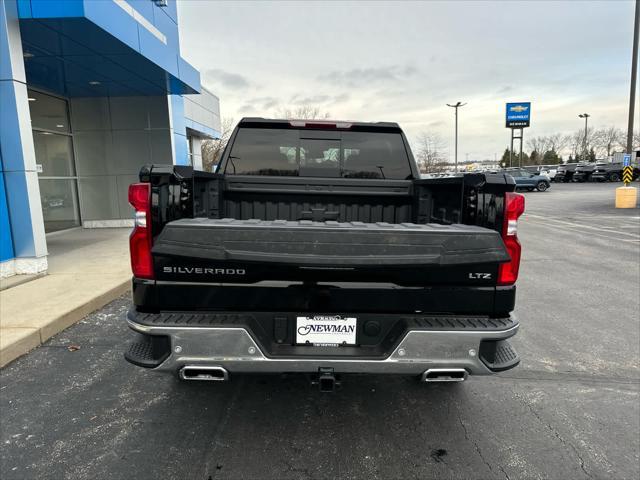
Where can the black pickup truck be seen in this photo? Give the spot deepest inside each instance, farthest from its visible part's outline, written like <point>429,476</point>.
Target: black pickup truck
<point>316,248</point>
<point>611,172</point>
<point>583,172</point>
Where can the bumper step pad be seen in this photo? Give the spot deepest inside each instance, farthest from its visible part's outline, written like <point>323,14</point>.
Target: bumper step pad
<point>499,356</point>
<point>148,351</point>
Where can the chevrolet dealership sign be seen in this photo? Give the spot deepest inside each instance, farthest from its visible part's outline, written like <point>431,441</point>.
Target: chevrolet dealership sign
<point>518,114</point>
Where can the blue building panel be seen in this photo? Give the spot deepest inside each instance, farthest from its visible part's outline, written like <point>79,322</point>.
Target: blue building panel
<point>115,21</point>
<point>139,25</point>
<point>144,8</point>
<point>17,188</point>
<point>202,129</point>
<point>177,114</point>
<point>171,10</point>
<point>11,145</point>
<point>181,149</point>
<point>188,74</point>
<point>56,9</point>
<point>156,51</point>
<point>24,9</point>
<point>169,29</point>
<point>6,67</point>
<point>6,242</point>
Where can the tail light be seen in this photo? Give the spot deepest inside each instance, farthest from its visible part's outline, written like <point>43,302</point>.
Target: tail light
<point>140,240</point>
<point>513,208</point>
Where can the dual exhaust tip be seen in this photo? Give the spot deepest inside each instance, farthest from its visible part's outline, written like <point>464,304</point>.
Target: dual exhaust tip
<point>326,381</point>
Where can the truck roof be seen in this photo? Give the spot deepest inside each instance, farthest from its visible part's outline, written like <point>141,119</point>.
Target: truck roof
<point>259,122</point>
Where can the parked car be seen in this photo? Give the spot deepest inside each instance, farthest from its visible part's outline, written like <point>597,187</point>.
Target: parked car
<point>529,181</point>
<point>317,248</point>
<point>565,171</point>
<point>549,172</point>
<point>583,172</point>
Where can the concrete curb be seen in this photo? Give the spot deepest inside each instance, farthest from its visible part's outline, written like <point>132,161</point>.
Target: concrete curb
<point>74,315</point>
<point>17,341</point>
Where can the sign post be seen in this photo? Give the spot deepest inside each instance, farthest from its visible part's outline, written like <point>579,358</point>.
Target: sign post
<point>627,171</point>
<point>518,118</point>
<point>626,197</point>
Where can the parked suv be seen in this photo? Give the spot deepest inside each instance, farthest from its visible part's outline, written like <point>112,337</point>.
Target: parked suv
<point>565,172</point>
<point>529,181</point>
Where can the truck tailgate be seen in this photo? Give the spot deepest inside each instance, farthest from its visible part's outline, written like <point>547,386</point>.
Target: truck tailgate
<point>245,251</point>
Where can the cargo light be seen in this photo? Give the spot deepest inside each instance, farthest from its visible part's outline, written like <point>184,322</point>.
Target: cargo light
<point>513,208</point>
<point>319,124</point>
<point>140,240</point>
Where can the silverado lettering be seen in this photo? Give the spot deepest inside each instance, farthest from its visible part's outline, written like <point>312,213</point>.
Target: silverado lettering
<point>204,270</point>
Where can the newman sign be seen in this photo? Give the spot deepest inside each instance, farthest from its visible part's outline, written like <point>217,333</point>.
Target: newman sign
<point>518,114</point>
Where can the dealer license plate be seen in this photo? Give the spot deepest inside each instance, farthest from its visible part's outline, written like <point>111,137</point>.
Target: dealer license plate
<point>326,330</point>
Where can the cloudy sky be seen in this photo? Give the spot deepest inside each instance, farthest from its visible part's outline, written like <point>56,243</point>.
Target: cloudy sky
<point>404,61</point>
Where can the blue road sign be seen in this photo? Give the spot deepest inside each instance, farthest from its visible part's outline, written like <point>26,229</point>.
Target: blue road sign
<point>518,114</point>
<point>626,160</point>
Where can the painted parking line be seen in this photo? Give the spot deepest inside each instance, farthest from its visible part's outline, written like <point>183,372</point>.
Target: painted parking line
<point>573,230</point>
<point>580,225</point>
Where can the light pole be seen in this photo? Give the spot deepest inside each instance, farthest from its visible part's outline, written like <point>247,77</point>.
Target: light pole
<point>634,76</point>
<point>584,143</point>
<point>456,106</point>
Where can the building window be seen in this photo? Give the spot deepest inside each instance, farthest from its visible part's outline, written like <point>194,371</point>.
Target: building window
<point>55,163</point>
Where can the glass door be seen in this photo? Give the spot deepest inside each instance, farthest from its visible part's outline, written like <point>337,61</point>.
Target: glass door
<point>53,144</point>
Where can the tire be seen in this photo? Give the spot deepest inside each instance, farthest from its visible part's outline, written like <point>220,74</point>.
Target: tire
<point>614,177</point>
<point>542,186</point>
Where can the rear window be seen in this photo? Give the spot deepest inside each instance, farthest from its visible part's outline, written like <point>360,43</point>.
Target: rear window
<point>318,153</point>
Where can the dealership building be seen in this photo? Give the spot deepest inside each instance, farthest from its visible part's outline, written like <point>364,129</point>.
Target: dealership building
<point>89,91</point>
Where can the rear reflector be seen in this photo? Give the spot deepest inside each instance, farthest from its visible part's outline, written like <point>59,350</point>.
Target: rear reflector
<point>513,208</point>
<point>140,240</point>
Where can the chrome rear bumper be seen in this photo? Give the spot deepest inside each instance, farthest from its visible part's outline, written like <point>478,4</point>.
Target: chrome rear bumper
<point>235,351</point>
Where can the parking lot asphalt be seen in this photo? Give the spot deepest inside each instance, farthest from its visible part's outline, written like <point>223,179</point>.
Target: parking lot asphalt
<point>74,409</point>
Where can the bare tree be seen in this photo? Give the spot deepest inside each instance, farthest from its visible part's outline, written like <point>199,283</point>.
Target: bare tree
<point>540,145</point>
<point>212,149</point>
<point>580,145</point>
<point>302,112</point>
<point>543,144</point>
<point>431,153</point>
<point>607,139</point>
<point>559,142</point>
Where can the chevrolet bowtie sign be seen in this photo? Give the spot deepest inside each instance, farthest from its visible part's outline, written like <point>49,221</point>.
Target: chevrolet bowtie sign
<point>518,114</point>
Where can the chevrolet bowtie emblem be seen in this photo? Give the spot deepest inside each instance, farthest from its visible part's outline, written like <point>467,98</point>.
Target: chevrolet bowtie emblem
<point>519,108</point>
